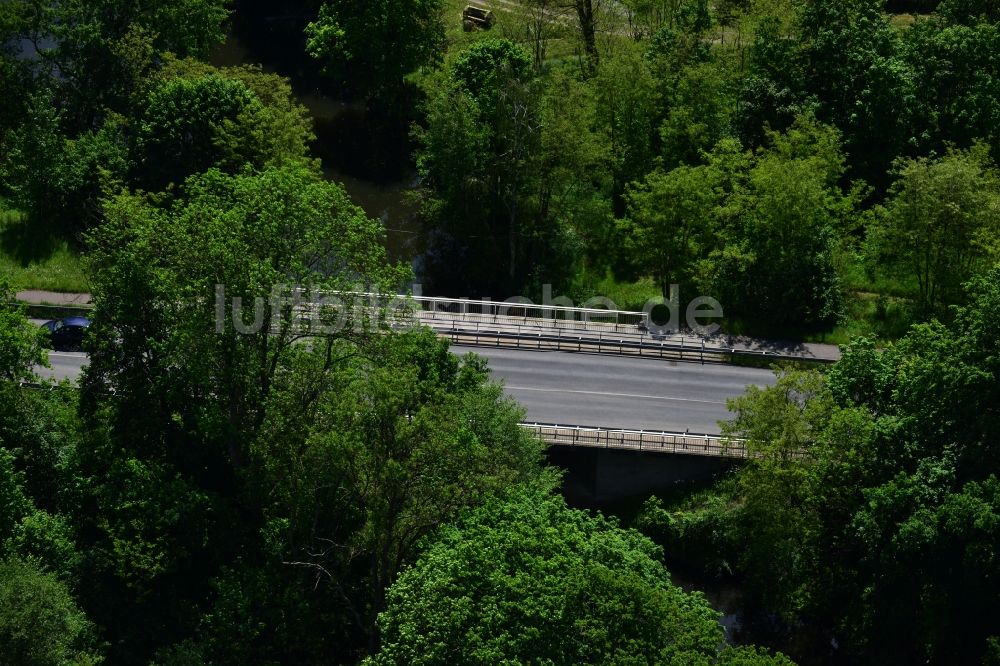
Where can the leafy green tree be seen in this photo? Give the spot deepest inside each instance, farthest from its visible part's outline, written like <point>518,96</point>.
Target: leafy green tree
<point>572,182</point>
<point>38,434</point>
<point>286,125</point>
<point>181,380</point>
<point>370,47</point>
<point>782,228</point>
<point>97,48</point>
<point>16,88</point>
<point>185,118</point>
<point>916,527</point>
<point>842,59</point>
<point>33,155</point>
<point>931,499</point>
<point>798,440</point>
<point>699,114</point>
<point>940,225</point>
<point>742,227</point>
<point>672,221</point>
<point>92,164</point>
<point>189,125</point>
<point>955,69</point>
<point>82,73</point>
<point>772,93</point>
<point>693,84</point>
<point>152,521</point>
<point>514,172</point>
<point>869,504</point>
<point>248,234</point>
<point>57,180</point>
<point>944,384</point>
<point>15,504</point>
<point>49,539</point>
<point>42,430</point>
<point>525,579</point>
<point>862,84</point>
<point>864,376</point>
<point>21,343</point>
<point>401,438</point>
<point>627,100</point>
<point>40,623</point>
<point>701,534</point>
<point>264,610</point>
<point>478,160</point>
<point>486,68</point>
<point>969,12</point>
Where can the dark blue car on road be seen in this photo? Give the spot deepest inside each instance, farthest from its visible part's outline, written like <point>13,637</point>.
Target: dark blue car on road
<point>67,333</point>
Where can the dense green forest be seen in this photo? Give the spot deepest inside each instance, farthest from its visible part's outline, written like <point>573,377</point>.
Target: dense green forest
<point>824,168</point>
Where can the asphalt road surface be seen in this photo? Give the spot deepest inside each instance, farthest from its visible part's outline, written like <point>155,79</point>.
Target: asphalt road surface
<point>620,392</point>
<point>589,389</point>
<point>65,365</point>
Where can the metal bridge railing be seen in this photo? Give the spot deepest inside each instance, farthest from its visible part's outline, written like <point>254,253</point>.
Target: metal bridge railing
<point>533,327</point>
<point>676,349</point>
<point>650,441</point>
<point>544,316</point>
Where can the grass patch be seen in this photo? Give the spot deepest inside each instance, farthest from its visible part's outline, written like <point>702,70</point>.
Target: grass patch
<point>876,306</point>
<point>764,363</point>
<point>37,259</point>
<point>857,278</point>
<point>877,316</point>
<point>511,20</point>
<point>625,295</point>
<point>905,20</point>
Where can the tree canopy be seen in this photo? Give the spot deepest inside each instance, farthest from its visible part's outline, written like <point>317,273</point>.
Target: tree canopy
<point>260,465</point>
<point>370,46</point>
<point>870,491</point>
<point>526,580</point>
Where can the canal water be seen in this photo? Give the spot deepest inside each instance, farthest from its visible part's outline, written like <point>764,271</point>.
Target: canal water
<point>343,138</point>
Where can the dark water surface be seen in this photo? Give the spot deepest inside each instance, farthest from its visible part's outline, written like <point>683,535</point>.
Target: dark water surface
<point>344,139</point>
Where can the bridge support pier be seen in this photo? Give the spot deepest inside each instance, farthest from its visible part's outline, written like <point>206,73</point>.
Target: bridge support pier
<point>595,477</point>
